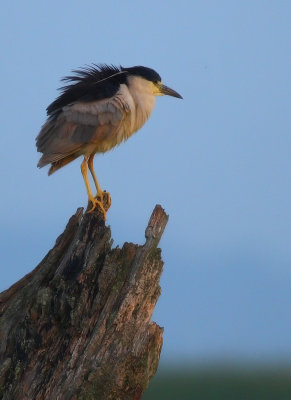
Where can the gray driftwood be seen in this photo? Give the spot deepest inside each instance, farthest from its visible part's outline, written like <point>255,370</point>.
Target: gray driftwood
<point>79,325</point>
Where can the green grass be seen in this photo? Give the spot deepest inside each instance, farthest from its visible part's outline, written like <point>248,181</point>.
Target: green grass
<point>221,383</point>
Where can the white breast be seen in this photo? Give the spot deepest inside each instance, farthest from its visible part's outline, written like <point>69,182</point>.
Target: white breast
<point>140,102</point>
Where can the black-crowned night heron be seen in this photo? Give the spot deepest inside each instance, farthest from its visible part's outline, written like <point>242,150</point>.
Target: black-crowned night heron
<point>100,107</point>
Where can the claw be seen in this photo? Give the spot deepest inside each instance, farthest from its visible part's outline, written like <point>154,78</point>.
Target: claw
<point>102,199</point>
<point>96,203</point>
<point>105,199</point>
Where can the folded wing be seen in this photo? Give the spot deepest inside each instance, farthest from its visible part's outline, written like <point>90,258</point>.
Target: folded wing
<point>79,128</point>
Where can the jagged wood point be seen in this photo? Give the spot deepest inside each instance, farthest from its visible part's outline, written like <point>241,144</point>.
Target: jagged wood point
<point>78,327</point>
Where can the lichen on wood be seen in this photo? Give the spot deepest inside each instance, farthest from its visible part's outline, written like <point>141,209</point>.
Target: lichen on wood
<point>79,325</point>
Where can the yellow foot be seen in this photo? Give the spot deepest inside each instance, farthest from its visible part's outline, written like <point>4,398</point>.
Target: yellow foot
<point>105,199</point>
<point>96,203</point>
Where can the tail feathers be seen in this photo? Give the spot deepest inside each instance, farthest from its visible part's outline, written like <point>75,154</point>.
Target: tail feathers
<point>49,158</point>
<point>61,163</point>
<point>57,161</point>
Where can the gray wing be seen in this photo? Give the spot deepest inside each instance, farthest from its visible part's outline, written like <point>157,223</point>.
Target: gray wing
<point>77,126</point>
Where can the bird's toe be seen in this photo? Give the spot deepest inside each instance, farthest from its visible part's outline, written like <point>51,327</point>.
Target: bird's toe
<point>94,202</point>
<point>105,199</point>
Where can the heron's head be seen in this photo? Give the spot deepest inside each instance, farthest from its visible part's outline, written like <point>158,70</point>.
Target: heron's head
<point>147,79</point>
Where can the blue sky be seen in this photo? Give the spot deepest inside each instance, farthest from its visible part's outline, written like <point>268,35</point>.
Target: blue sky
<point>218,161</point>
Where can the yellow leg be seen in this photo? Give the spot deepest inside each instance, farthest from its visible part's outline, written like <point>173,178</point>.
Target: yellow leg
<point>100,194</point>
<point>91,168</point>
<point>91,198</point>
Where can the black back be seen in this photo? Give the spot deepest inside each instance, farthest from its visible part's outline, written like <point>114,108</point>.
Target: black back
<point>96,82</point>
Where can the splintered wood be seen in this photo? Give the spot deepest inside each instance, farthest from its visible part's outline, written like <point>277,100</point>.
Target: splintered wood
<point>79,325</point>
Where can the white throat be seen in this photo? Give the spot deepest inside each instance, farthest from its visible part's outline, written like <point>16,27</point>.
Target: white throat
<point>143,96</point>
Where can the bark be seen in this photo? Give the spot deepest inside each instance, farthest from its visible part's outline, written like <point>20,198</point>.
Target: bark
<point>79,325</point>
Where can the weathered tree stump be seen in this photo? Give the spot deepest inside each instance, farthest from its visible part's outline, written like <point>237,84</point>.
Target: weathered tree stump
<point>79,325</point>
